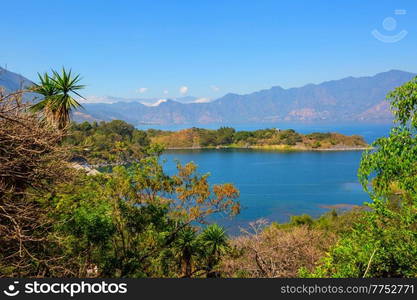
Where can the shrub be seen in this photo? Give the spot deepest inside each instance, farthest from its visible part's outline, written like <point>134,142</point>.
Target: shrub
<point>274,252</point>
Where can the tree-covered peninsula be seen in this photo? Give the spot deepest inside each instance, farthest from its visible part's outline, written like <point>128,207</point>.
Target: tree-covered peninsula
<point>120,142</point>
<point>273,138</point>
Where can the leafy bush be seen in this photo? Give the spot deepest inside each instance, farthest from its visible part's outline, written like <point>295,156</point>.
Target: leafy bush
<point>301,220</point>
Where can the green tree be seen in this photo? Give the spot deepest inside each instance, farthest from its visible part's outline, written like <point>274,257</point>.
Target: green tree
<point>138,221</point>
<point>207,138</point>
<point>215,242</point>
<point>107,142</point>
<point>140,137</point>
<point>188,248</point>
<point>384,243</point>
<point>242,136</point>
<point>225,135</point>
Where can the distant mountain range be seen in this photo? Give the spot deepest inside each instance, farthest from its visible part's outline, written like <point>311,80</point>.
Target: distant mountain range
<point>346,100</point>
<point>145,101</point>
<point>12,81</point>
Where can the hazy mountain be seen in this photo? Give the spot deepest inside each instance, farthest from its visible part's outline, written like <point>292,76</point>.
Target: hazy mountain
<point>344,100</point>
<point>12,81</point>
<point>145,101</point>
<point>348,99</point>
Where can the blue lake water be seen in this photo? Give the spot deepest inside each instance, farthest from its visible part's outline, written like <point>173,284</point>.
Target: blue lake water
<point>276,185</point>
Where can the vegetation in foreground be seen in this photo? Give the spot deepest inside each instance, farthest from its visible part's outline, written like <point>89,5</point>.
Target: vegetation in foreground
<point>137,221</point>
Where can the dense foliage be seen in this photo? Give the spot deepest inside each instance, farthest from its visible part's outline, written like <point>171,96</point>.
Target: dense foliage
<point>139,222</point>
<point>106,142</point>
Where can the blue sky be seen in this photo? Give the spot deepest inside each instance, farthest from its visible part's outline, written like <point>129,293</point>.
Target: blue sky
<point>209,48</point>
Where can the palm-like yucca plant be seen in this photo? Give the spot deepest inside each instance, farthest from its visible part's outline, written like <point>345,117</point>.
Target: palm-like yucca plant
<point>188,247</point>
<point>214,239</point>
<point>58,101</point>
<point>47,89</point>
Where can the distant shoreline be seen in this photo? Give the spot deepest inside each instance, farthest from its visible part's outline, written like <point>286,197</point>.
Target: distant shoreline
<point>89,167</point>
<point>277,148</point>
<point>272,139</point>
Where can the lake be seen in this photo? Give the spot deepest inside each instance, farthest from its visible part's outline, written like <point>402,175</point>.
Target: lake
<point>277,185</point>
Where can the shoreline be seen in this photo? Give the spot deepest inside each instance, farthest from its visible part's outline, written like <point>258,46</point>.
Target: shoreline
<point>271,148</point>
<point>277,148</point>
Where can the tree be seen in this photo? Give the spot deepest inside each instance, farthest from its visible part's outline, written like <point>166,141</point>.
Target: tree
<point>188,247</point>
<point>242,136</point>
<point>384,243</point>
<point>139,222</point>
<point>58,101</point>
<point>225,135</point>
<point>107,142</point>
<point>214,239</point>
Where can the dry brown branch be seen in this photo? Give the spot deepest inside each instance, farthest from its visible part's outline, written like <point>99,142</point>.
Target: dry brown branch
<point>269,252</point>
<point>31,160</point>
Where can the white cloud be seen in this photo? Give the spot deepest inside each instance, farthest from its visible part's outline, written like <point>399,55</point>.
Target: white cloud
<point>165,92</point>
<point>202,100</point>
<point>215,88</point>
<point>142,90</point>
<point>184,90</point>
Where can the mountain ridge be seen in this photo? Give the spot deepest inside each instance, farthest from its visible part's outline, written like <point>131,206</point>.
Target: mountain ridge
<point>350,99</point>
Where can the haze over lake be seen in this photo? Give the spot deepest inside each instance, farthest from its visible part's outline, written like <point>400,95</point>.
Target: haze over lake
<point>276,185</point>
